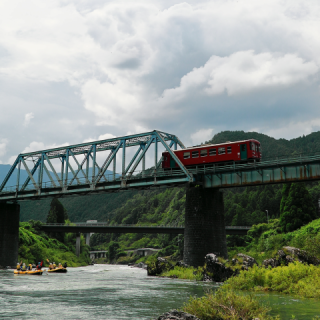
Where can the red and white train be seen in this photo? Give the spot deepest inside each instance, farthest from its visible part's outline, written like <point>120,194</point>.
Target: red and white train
<point>239,151</point>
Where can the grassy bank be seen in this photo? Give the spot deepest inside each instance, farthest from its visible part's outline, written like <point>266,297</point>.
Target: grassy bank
<point>225,304</point>
<point>35,245</point>
<point>295,279</point>
<point>185,273</point>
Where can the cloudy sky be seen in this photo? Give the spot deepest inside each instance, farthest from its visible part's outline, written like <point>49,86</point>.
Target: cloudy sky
<point>73,71</point>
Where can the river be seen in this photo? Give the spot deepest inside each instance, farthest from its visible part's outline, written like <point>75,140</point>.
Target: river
<point>114,292</point>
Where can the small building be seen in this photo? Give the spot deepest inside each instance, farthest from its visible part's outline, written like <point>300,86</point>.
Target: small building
<point>98,254</point>
<point>144,252</point>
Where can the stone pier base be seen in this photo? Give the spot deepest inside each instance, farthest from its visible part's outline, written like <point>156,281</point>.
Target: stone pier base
<point>204,225</point>
<point>9,234</point>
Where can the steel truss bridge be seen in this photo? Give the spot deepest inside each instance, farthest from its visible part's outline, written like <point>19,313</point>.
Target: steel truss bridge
<point>101,227</point>
<point>80,171</point>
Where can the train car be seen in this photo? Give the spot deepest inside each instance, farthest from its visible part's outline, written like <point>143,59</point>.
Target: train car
<point>239,151</point>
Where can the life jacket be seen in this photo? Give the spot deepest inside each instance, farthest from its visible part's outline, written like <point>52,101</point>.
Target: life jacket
<point>54,266</point>
<point>18,266</point>
<point>30,266</point>
<point>24,268</point>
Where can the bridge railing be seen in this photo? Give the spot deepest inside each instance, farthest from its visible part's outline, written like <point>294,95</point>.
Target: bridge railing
<point>278,161</point>
<point>105,224</point>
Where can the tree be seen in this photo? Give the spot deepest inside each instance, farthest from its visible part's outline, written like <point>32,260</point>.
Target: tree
<point>57,212</point>
<point>297,208</point>
<point>285,194</point>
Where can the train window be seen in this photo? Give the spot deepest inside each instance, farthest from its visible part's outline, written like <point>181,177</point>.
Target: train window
<point>204,153</point>
<point>212,152</point>
<point>243,147</point>
<point>186,155</point>
<point>195,154</point>
<point>221,150</point>
<point>229,149</point>
<point>252,146</point>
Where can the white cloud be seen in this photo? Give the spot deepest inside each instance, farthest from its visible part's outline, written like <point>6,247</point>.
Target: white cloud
<point>86,68</point>
<point>3,146</point>
<point>38,146</point>
<point>106,136</point>
<point>27,118</point>
<point>201,135</point>
<point>242,72</point>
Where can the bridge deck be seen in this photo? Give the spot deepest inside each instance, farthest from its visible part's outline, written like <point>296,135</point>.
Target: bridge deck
<point>104,228</point>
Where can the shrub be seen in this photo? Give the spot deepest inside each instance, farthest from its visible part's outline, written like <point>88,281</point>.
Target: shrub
<point>296,279</point>
<point>227,305</point>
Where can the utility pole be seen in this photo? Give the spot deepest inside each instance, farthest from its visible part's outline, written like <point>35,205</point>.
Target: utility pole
<point>267,216</point>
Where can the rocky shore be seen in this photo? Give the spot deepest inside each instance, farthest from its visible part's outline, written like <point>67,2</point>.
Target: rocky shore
<point>219,270</point>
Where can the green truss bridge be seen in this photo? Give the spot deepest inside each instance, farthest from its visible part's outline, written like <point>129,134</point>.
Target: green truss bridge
<point>92,168</point>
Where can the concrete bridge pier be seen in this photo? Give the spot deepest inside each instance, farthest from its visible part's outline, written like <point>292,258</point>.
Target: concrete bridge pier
<point>204,225</point>
<point>87,236</point>
<point>9,234</point>
<point>78,244</point>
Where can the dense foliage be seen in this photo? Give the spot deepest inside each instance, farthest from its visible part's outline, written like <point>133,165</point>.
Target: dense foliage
<point>57,212</point>
<point>159,207</point>
<point>297,207</point>
<point>35,245</point>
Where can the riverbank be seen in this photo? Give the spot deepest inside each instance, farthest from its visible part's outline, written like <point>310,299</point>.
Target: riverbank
<point>35,245</point>
<point>118,293</point>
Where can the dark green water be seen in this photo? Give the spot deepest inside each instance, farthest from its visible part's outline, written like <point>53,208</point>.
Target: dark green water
<point>113,292</point>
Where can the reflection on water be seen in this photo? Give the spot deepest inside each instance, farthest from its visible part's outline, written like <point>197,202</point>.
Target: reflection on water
<point>113,292</point>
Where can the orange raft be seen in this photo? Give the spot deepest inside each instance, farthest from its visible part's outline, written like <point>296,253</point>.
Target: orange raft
<point>58,270</point>
<point>34,272</point>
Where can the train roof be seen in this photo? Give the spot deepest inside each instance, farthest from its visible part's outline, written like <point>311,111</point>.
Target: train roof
<point>218,144</point>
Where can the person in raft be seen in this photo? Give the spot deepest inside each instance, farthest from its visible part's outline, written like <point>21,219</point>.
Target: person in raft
<point>24,268</point>
<point>19,265</point>
<point>30,266</point>
<point>40,264</point>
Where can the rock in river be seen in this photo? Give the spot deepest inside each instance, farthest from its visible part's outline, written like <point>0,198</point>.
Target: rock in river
<point>177,315</point>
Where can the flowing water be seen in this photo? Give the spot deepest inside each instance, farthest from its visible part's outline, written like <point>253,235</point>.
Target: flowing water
<point>114,292</point>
